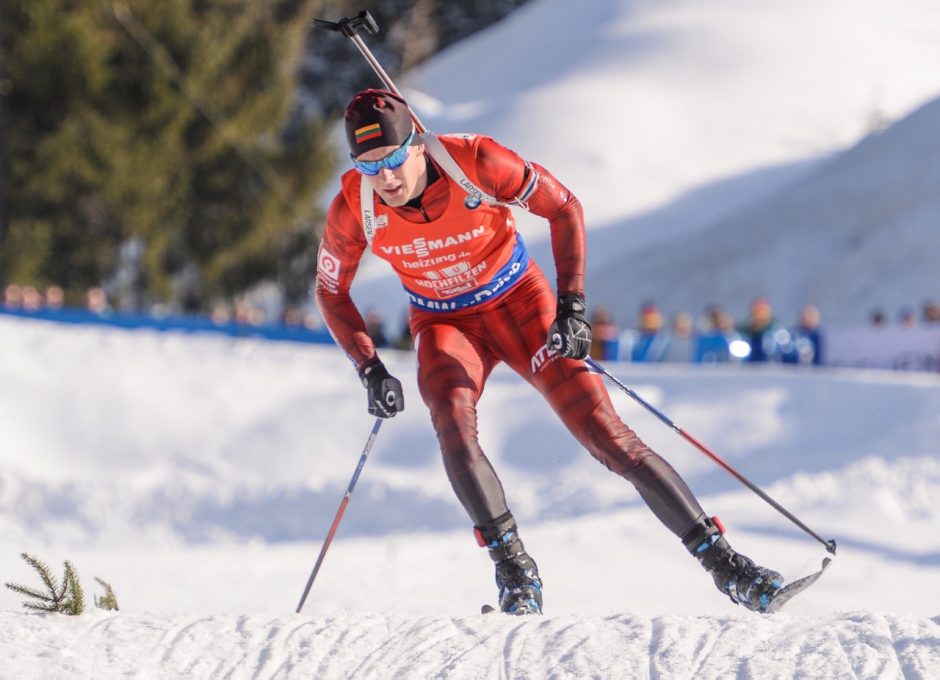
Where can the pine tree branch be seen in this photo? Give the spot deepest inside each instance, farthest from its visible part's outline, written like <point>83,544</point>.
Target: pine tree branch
<point>69,599</point>
<point>109,600</point>
<point>75,603</point>
<point>28,592</point>
<point>47,578</point>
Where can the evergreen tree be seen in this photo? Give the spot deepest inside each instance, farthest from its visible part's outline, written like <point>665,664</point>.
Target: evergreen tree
<point>168,124</point>
<point>109,600</point>
<point>65,599</point>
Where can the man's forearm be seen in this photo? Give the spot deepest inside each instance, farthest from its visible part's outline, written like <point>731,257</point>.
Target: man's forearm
<point>346,325</point>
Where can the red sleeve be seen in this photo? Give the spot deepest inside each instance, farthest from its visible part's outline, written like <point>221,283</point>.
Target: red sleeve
<point>505,175</point>
<point>341,249</point>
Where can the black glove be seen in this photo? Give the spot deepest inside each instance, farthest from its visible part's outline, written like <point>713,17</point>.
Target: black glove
<point>570,335</point>
<point>385,397</point>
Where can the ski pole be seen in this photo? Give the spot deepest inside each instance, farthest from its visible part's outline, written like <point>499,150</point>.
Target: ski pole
<point>830,544</point>
<point>339,513</point>
<point>350,28</point>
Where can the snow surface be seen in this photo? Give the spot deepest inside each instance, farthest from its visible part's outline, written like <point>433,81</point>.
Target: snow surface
<point>861,645</point>
<point>199,475</point>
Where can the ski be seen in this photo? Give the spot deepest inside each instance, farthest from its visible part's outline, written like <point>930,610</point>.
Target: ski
<point>789,591</point>
<point>784,595</point>
<point>490,609</point>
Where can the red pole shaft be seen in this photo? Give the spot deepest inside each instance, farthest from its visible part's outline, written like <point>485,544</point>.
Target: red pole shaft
<point>339,513</point>
<point>830,544</point>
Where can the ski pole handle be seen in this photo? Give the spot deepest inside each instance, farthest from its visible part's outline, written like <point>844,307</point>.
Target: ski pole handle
<point>350,28</point>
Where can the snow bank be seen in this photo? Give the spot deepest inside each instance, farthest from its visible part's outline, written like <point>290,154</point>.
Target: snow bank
<point>852,644</point>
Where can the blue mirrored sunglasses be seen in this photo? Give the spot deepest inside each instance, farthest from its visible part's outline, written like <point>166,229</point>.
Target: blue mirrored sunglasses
<point>393,161</point>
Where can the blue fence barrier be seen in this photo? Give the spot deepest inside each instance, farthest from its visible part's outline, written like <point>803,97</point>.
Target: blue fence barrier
<point>174,323</point>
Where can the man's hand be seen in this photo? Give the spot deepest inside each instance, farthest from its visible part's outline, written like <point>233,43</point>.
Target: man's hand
<point>570,335</point>
<point>385,397</point>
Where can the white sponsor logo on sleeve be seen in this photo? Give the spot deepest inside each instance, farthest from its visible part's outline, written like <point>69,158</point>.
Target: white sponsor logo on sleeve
<point>328,266</point>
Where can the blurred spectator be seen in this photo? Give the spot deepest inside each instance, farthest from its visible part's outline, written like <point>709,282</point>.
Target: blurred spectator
<point>931,312</point>
<point>719,341</point>
<point>375,327</point>
<point>55,297</point>
<point>768,339</point>
<point>221,313</point>
<point>605,337</point>
<point>13,296</point>
<point>651,319</point>
<point>32,299</point>
<point>246,313</point>
<point>96,301</point>
<point>907,318</point>
<point>651,339</point>
<point>292,317</point>
<point>681,340</point>
<point>878,318</point>
<point>807,338</point>
<point>312,320</point>
<point>405,341</point>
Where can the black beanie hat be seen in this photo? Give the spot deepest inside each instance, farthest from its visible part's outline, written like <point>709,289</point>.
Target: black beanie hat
<point>376,118</point>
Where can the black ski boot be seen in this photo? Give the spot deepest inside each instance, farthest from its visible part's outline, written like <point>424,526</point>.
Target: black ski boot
<point>517,575</point>
<point>746,583</point>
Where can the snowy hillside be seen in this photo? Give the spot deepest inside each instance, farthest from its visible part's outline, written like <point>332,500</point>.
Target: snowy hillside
<point>199,474</point>
<point>860,231</point>
<point>670,120</point>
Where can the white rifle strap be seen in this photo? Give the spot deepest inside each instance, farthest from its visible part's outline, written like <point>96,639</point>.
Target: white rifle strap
<point>367,208</point>
<point>440,154</point>
<point>449,165</point>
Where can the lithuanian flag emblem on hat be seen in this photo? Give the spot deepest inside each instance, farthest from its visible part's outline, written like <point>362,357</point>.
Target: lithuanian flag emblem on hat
<point>364,134</point>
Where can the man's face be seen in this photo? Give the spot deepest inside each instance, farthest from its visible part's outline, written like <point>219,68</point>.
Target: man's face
<point>398,186</point>
<point>761,313</point>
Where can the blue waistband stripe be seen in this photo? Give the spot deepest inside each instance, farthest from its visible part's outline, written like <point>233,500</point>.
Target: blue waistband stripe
<point>507,276</point>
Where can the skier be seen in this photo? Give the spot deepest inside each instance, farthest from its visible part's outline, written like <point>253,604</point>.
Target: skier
<point>435,208</point>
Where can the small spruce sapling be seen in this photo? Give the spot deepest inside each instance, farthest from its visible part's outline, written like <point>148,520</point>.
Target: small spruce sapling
<point>67,599</point>
<point>109,600</point>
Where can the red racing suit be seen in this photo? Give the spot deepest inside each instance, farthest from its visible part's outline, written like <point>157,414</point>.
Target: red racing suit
<point>477,299</point>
